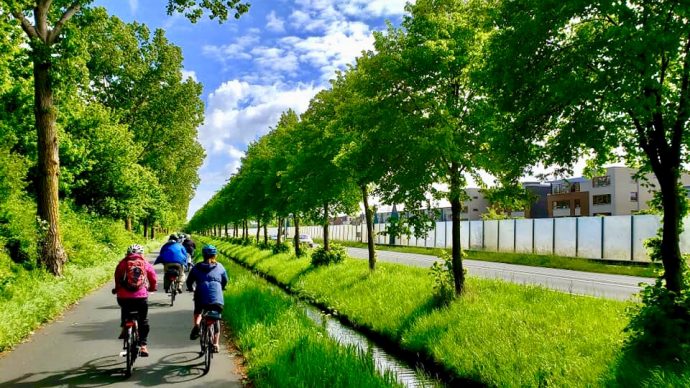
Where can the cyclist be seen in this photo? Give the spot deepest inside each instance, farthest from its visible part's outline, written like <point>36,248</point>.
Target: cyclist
<point>134,279</point>
<point>173,256</point>
<point>189,245</point>
<point>210,278</point>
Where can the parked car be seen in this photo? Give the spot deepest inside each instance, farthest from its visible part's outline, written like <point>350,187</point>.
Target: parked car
<point>273,237</point>
<point>306,239</point>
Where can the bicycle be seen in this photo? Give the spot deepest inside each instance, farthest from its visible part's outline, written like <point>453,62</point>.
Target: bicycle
<point>208,331</point>
<point>130,344</point>
<point>173,276</point>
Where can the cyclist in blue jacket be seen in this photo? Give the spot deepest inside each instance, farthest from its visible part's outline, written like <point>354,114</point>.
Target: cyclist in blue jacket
<point>173,256</point>
<point>210,278</point>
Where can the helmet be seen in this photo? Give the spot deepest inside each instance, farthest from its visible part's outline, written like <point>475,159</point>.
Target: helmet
<point>135,248</point>
<point>173,237</point>
<point>209,250</point>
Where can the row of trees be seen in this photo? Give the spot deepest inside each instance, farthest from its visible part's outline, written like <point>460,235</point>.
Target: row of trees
<point>96,111</point>
<point>465,86</point>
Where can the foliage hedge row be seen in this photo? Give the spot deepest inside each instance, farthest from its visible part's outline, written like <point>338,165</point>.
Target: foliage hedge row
<point>29,295</point>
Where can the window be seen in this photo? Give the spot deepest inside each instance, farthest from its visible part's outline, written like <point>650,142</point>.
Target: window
<point>604,199</point>
<point>561,205</point>
<point>577,204</point>
<point>633,196</point>
<point>563,188</point>
<point>601,181</point>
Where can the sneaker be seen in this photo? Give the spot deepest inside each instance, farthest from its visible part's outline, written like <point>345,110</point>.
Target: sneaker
<point>123,332</point>
<point>216,348</point>
<point>143,351</point>
<point>194,334</point>
<point>179,290</point>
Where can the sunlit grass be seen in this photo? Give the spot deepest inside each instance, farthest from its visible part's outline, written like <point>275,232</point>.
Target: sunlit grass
<point>497,333</point>
<point>283,347</point>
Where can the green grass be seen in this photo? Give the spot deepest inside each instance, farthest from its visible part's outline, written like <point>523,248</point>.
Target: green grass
<point>31,296</point>
<point>548,261</point>
<point>498,333</point>
<point>283,347</point>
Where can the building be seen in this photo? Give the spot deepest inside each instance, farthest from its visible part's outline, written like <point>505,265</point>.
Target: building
<point>617,192</point>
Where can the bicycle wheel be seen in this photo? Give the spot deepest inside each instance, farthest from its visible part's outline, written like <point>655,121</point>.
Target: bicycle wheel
<point>202,338</point>
<point>209,349</point>
<point>129,357</point>
<point>173,291</point>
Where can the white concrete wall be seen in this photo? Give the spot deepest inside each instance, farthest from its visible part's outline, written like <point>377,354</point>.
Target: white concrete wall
<point>623,236</point>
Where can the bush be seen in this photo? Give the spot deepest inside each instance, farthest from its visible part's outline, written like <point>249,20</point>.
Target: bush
<point>320,256</point>
<point>283,247</point>
<point>442,274</point>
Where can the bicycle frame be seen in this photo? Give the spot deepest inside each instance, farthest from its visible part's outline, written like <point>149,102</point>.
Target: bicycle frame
<point>130,344</point>
<point>208,331</point>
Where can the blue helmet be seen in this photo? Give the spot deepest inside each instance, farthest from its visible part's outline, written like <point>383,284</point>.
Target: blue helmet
<point>209,250</point>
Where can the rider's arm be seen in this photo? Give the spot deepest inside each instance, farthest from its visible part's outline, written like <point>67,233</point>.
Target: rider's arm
<point>117,276</point>
<point>151,275</point>
<point>224,279</point>
<point>191,278</point>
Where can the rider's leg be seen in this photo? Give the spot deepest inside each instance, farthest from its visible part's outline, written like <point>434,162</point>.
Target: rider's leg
<point>197,321</point>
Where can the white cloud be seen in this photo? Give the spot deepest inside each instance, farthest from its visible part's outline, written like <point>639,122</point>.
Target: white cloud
<point>239,112</point>
<point>133,6</point>
<point>189,74</point>
<point>274,23</point>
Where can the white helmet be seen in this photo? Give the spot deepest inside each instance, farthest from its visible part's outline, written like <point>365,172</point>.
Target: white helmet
<point>135,248</point>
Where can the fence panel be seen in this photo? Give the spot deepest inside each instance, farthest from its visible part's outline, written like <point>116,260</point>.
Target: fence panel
<point>491,235</point>
<point>476,230</point>
<point>543,236</point>
<point>523,235</point>
<point>589,237</point>
<point>564,238</point>
<point>506,236</point>
<point>617,237</point>
<point>440,235</point>
<point>685,236</point>
<point>644,227</point>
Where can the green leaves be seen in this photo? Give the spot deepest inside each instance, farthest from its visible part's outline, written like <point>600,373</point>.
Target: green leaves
<point>217,9</point>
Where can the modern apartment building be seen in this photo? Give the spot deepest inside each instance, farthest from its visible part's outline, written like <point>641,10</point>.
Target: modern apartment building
<point>617,192</point>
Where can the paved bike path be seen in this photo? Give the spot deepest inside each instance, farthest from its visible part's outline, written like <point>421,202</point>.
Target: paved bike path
<point>81,349</point>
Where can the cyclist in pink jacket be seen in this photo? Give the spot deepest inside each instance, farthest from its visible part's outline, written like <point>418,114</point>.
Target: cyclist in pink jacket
<point>134,278</point>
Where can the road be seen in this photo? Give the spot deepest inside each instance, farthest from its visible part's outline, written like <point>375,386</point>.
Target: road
<point>81,349</point>
<point>619,287</point>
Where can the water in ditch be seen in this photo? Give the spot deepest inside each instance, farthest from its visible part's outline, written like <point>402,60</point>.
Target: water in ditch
<point>383,361</point>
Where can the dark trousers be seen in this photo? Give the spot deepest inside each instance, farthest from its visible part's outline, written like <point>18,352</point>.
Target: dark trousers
<point>140,305</point>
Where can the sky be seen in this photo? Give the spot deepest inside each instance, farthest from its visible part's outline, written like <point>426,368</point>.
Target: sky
<point>276,57</point>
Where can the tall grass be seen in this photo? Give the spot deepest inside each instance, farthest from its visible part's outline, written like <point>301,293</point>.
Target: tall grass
<point>30,296</point>
<point>283,347</point>
<point>497,333</point>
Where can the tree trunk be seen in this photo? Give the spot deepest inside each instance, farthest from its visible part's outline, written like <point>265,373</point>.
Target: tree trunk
<point>53,255</point>
<point>326,243</point>
<point>279,238</point>
<point>266,233</point>
<point>146,228</point>
<point>456,208</point>
<point>226,231</point>
<point>298,250</point>
<point>153,234</point>
<point>369,219</point>
<point>128,224</point>
<point>258,229</point>
<point>670,239</point>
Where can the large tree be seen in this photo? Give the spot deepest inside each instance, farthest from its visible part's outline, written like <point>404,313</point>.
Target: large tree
<point>595,78</point>
<point>440,121</point>
<point>44,34</point>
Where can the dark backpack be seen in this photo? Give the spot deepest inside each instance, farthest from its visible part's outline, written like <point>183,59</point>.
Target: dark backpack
<point>135,275</point>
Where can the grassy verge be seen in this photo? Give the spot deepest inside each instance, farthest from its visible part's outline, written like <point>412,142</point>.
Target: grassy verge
<point>498,333</point>
<point>283,347</point>
<point>548,261</point>
<point>30,296</point>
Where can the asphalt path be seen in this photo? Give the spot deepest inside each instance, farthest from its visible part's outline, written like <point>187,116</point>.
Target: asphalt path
<point>81,349</point>
<point>619,287</point>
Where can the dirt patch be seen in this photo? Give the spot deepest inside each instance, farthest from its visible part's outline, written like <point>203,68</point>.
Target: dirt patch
<point>237,358</point>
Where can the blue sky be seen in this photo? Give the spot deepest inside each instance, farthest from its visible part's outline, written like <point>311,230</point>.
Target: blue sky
<point>274,58</point>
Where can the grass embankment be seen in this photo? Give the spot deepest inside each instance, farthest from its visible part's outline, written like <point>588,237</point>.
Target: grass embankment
<point>31,296</point>
<point>548,261</point>
<point>498,333</point>
<point>283,347</point>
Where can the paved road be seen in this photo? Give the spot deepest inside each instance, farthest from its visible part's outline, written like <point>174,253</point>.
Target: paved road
<point>576,282</point>
<point>81,349</point>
